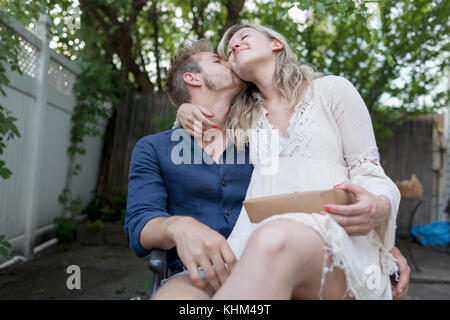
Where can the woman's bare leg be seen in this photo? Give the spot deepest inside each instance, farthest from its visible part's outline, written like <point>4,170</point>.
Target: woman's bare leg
<point>181,288</point>
<point>334,286</point>
<point>282,260</point>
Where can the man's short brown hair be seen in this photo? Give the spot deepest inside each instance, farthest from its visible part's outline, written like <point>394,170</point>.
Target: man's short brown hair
<point>184,61</point>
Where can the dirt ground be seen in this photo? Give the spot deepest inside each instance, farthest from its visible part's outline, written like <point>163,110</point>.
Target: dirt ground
<point>111,271</point>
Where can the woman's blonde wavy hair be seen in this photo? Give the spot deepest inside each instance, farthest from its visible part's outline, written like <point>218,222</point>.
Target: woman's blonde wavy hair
<point>292,80</point>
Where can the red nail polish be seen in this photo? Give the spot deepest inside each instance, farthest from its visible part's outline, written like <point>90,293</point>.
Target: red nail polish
<point>322,213</point>
<point>337,186</point>
<point>215,126</point>
<point>327,208</point>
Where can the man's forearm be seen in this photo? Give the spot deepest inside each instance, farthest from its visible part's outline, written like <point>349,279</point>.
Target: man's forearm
<point>155,233</point>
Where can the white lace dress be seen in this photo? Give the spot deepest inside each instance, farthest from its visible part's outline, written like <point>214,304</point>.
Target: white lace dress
<point>330,140</point>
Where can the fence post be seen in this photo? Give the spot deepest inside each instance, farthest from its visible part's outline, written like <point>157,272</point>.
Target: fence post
<point>36,135</point>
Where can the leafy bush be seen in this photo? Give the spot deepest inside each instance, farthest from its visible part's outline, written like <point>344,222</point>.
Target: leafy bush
<point>4,246</point>
<point>95,226</point>
<point>108,208</point>
<point>66,231</point>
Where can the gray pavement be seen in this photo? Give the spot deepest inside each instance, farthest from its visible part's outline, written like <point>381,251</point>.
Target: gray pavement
<point>432,282</point>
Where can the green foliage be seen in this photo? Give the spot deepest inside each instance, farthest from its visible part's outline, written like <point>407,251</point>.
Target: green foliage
<point>107,208</point>
<point>96,225</point>
<point>395,54</point>
<point>23,11</point>
<point>66,231</point>
<point>4,246</point>
<point>70,205</point>
<point>95,89</point>
<point>7,131</point>
<point>9,47</point>
<point>166,123</point>
<point>328,7</point>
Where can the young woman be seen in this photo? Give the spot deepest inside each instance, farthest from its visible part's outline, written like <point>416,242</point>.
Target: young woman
<point>324,138</point>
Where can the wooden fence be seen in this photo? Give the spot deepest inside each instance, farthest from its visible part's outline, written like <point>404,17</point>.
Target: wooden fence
<point>138,114</point>
<point>416,147</point>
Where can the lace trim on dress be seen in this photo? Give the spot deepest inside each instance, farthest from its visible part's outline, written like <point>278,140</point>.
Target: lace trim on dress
<point>367,163</point>
<point>298,134</point>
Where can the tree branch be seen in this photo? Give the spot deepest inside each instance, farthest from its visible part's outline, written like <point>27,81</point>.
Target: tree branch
<point>103,25</point>
<point>153,15</point>
<point>136,6</point>
<point>109,13</point>
<point>234,8</point>
<point>121,42</point>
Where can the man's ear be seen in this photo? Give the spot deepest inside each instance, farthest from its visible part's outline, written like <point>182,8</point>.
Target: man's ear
<point>192,79</point>
<point>277,45</point>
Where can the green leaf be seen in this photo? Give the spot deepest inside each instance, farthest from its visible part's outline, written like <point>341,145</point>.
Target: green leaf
<point>5,173</point>
<point>321,9</point>
<point>3,252</point>
<point>6,244</point>
<point>284,11</point>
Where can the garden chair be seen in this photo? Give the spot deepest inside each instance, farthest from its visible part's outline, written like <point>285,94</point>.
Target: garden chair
<point>158,265</point>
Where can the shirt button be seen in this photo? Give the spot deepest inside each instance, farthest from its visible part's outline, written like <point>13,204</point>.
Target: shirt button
<point>227,212</point>
<point>224,183</point>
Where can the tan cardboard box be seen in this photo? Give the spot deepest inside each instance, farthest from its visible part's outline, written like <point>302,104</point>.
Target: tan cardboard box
<point>410,188</point>
<point>261,208</point>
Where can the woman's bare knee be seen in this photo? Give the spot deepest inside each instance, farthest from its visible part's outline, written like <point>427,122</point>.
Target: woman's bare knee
<point>283,235</point>
<point>269,239</point>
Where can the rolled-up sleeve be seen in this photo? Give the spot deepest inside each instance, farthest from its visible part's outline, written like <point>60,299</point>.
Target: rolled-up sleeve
<point>147,194</point>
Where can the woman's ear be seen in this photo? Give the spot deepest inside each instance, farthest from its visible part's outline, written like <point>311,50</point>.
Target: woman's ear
<point>277,45</point>
<point>192,79</point>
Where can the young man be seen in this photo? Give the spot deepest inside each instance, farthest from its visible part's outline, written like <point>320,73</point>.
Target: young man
<point>190,206</point>
<point>189,203</point>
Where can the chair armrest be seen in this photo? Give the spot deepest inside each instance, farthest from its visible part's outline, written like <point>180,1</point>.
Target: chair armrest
<point>158,260</point>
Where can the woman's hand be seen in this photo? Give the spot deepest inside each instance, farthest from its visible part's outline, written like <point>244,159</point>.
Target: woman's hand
<point>400,290</point>
<point>192,118</point>
<point>359,218</point>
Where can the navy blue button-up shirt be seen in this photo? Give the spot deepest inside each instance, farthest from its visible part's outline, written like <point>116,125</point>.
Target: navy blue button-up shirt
<point>170,174</point>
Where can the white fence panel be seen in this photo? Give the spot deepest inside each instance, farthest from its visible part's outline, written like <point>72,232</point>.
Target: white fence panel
<point>21,222</point>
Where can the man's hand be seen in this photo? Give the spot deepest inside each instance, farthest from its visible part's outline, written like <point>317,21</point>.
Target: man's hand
<point>200,246</point>
<point>400,290</point>
<point>193,119</point>
<point>359,218</point>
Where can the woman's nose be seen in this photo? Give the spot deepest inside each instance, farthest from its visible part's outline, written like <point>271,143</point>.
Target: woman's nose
<point>235,46</point>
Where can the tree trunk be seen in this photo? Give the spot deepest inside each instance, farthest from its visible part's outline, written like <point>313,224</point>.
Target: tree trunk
<point>234,8</point>
<point>102,181</point>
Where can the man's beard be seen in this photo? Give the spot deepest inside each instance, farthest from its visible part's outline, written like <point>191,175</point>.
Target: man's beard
<point>218,81</point>
<point>223,82</point>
